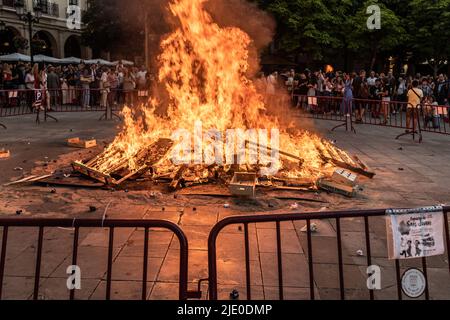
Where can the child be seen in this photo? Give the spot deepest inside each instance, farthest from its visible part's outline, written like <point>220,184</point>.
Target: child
<point>430,113</point>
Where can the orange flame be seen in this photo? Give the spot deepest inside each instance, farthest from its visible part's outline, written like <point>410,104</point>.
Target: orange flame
<point>204,67</point>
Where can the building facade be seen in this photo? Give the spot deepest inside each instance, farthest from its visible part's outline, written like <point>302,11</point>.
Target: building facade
<point>52,35</point>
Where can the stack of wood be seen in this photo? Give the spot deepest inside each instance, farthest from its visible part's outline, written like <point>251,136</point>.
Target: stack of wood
<point>178,177</point>
<point>121,172</point>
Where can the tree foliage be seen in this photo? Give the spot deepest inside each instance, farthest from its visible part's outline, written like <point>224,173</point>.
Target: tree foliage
<point>108,28</point>
<point>429,25</point>
<point>320,28</point>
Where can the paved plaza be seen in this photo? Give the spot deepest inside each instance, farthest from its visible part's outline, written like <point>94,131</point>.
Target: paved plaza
<point>409,174</point>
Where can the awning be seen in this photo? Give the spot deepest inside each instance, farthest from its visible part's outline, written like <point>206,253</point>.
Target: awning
<point>101,62</point>
<point>15,57</point>
<point>70,60</point>
<point>124,62</point>
<point>46,59</point>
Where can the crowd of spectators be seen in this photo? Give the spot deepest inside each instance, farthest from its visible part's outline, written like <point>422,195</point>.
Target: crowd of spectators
<point>83,85</point>
<point>394,93</point>
<point>95,85</point>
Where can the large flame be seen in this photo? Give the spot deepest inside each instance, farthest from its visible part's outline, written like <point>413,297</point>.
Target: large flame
<point>204,69</point>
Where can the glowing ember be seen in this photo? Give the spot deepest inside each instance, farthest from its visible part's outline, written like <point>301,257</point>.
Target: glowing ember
<point>204,69</point>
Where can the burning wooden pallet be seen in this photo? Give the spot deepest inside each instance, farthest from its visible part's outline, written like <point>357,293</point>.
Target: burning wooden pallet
<point>344,161</point>
<point>178,177</point>
<point>120,172</point>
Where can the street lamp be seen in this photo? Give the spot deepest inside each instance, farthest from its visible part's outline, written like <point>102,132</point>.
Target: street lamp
<point>30,18</point>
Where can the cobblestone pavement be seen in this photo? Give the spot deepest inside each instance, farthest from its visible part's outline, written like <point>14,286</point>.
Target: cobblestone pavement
<point>408,174</point>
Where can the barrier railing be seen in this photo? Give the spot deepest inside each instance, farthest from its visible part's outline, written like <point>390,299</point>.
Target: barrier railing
<point>337,216</point>
<point>326,107</point>
<point>394,114</point>
<point>112,225</point>
<point>46,102</point>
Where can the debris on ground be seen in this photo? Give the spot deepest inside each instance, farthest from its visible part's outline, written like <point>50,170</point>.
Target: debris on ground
<point>83,144</point>
<point>314,228</point>
<point>345,177</point>
<point>29,179</point>
<point>4,154</point>
<point>234,295</point>
<point>335,187</point>
<point>243,184</point>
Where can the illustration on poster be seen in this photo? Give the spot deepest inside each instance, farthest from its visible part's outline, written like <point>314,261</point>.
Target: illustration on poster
<point>416,234</point>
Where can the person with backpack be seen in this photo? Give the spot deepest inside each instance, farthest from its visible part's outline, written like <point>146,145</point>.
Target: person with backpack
<point>415,97</point>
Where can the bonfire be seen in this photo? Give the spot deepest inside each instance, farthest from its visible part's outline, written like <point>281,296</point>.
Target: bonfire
<point>204,68</point>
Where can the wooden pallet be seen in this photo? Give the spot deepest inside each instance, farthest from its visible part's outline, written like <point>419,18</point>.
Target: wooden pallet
<point>120,172</point>
<point>342,160</point>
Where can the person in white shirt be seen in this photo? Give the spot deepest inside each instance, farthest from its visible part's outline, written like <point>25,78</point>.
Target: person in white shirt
<point>272,83</point>
<point>141,79</point>
<point>371,81</point>
<point>104,88</point>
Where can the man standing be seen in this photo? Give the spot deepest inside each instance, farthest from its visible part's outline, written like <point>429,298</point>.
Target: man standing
<point>415,96</point>
<point>442,89</point>
<point>358,86</point>
<point>53,84</point>
<point>87,77</point>
<point>426,88</point>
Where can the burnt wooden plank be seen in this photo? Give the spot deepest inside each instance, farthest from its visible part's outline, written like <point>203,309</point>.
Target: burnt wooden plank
<point>178,178</point>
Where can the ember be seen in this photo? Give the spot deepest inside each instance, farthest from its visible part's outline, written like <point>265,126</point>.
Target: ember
<point>204,69</point>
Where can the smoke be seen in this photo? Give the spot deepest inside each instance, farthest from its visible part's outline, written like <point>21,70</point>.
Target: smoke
<point>226,13</point>
<point>245,16</point>
<point>249,18</point>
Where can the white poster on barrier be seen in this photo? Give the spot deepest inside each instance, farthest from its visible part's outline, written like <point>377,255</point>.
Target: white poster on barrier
<point>415,233</point>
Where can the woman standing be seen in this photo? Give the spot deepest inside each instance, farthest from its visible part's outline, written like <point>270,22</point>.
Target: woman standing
<point>113,86</point>
<point>129,84</point>
<point>386,97</point>
<point>37,86</point>
<point>346,106</point>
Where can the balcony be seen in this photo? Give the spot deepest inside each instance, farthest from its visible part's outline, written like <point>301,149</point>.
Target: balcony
<point>48,8</point>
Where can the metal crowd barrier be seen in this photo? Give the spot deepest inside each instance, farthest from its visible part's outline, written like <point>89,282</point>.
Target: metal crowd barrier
<point>394,114</point>
<point>108,101</point>
<point>277,219</point>
<point>246,221</point>
<point>112,225</point>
